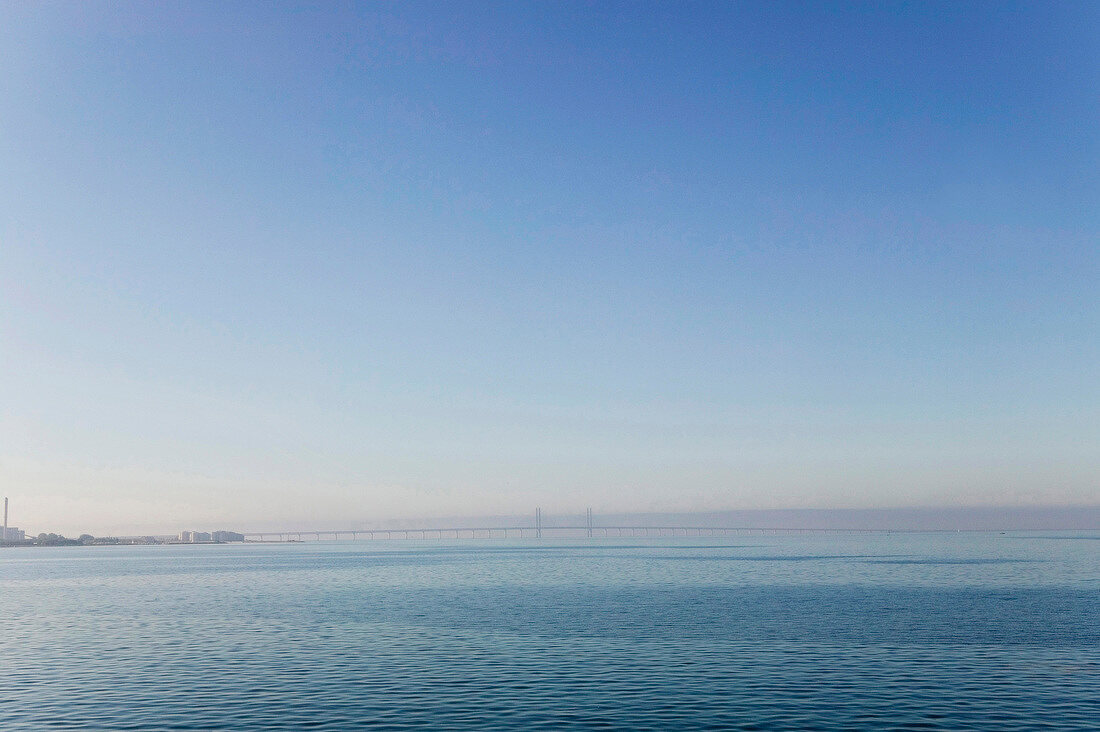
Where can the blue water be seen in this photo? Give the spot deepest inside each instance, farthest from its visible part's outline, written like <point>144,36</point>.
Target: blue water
<point>904,631</point>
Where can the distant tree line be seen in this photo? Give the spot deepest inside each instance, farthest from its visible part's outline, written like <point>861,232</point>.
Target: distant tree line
<point>45,539</point>
<point>51,539</point>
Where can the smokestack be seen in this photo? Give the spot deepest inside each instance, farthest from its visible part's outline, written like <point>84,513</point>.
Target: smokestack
<point>5,513</point>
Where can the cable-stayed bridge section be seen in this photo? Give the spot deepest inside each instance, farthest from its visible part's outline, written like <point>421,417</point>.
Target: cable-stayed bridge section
<point>537,529</point>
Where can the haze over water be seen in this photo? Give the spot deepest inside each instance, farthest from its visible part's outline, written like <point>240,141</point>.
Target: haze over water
<point>906,630</point>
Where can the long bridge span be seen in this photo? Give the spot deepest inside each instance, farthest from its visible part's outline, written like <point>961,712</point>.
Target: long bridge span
<point>535,530</point>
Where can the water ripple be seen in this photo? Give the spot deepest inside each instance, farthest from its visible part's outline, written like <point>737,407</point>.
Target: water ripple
<point>900,633</point>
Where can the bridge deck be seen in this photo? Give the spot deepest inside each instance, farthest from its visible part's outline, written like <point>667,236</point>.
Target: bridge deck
<point>504,532</point>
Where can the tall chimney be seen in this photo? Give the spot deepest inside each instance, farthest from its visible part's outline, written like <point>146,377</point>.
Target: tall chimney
<point>5,513</point>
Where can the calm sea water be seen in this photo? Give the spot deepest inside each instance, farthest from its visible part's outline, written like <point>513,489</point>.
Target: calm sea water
<point>929,631</point>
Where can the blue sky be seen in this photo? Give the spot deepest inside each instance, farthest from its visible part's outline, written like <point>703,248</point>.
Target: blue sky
<point>336,262</point>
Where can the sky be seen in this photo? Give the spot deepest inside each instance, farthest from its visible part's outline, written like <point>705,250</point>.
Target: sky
<point>324,264</point>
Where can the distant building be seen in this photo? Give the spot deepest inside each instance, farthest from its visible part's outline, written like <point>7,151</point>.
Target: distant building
<point>197,537</point>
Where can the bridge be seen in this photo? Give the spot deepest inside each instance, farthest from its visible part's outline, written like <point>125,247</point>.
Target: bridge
<point>535,530</point>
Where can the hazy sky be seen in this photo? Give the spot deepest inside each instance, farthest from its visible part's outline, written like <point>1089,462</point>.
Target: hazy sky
<point>326,263</point>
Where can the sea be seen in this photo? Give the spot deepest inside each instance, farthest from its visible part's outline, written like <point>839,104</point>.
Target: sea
<point>836,631</point>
